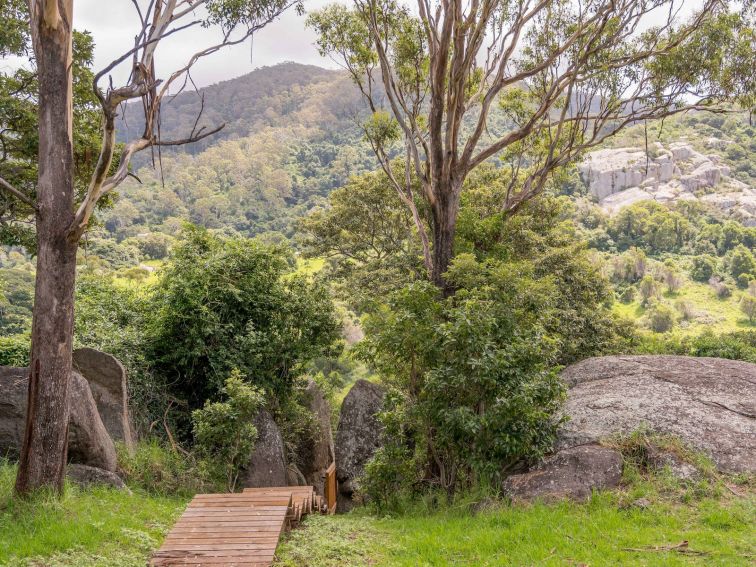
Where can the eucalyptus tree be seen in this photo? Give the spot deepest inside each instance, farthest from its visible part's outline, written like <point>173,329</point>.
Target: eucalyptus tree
<point>439,76</point>
<point>60,217</point>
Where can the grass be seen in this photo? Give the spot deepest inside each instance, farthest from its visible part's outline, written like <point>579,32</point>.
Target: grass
<point>100,527</point>
<point>713,314</point>
<point>604,531</point>
<point>108,528</point>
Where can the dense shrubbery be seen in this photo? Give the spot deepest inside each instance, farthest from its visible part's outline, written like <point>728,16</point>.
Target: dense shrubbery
<point>224,432</point>
<point>224,304</point>
<point>740,345</point>
<point>473,386</point>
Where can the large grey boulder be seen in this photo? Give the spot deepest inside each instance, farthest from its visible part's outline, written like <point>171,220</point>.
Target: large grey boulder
<point>108,382</point>
<point>317,451</point>
<point>267,463</point>
<point>357,437</point>
<point>88,440</point>
<point>709,403</point>
<point>571,473</point>
<point>86,476</point>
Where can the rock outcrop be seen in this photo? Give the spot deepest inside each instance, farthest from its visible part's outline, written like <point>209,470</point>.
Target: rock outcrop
<point>709,403</point>
<point>571,473</point>
<point>357,437</point>
<point>619,177</point>
<point>267,463</point>
<point>108,382</point>
<point>86,476</point>
<point>88,440</point>
<point>317,452</point>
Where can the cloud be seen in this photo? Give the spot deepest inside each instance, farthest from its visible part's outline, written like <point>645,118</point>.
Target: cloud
<point>114,24</point>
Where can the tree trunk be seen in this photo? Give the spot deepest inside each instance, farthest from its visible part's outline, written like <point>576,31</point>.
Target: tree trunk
<point>44,450</point>
<point>445,211</point>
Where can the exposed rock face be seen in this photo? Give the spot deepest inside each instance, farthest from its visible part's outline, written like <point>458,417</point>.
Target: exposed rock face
<point>88,440</point>
<point>87,476</point>
<point>317,454</point>
<point>571,473</point>
<point>619,177</point>
<point>357,437</point>
<point>709,403</point>
<point>267,463</point>
<point>108,382</point>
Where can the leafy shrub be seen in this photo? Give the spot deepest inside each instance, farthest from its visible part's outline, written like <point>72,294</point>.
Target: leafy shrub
<point>748,307</point>
<point>740,345</point>
<point>158,469</point>
<point>661,318</point>
<point>722,290</point>
<point>15,350</point>
<point>228,303</point>
<point>648,289</point>
<point>475,392</point>
<point>224,433</point>
<point>739,261</point>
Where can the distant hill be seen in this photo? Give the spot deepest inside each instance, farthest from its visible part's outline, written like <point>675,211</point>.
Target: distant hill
<point>291,136</point>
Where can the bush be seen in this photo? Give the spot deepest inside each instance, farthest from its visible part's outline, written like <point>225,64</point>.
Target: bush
<point>722,290</point>
<point>228,303</point>
<point>740,345</point>
<point>161,470</point>
<point>703,268</point>
<point>15,350</point>
<point>648,289</point>
<point>224,433</point>
<point>739,261</point>
<point>661,318</point>
<point>472,375</point>
<point>748,307</point>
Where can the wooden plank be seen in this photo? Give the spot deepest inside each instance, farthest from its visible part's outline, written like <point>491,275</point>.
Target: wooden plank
<point>330,488</point>
<point>226,530</point>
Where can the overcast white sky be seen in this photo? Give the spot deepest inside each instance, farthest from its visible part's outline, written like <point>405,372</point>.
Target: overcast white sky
<point>113,24</point>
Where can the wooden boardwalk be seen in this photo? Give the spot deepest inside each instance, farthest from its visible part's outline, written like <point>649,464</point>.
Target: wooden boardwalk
<point>237,530</point>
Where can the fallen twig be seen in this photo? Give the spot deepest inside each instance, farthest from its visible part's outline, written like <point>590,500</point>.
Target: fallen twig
<point>682,547</point>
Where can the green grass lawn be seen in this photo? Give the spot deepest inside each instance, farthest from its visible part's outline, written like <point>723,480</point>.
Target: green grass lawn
<point>108,528</point>
<point>601,532</point>
<point>713,314</point>
<point>87,528</point>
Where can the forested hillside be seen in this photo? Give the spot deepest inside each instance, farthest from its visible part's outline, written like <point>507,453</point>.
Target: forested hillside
<point>291,136</point>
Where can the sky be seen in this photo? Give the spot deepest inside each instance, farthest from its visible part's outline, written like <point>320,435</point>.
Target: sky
<point>113,23</point>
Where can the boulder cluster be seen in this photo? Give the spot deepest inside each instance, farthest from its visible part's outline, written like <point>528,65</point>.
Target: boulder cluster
<point>708,404</point>
<point>619,177</point>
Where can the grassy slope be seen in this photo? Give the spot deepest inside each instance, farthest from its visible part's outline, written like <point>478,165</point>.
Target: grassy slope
<point>597,533</point>
<point>99,527</point>
<point>714,314</point>
<point>106,528</point>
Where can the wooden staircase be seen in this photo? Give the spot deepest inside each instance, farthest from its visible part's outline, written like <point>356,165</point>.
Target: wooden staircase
<point>241,529</point>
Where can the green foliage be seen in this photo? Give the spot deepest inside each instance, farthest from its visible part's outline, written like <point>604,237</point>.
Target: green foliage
<point>471,374</point>
<point>16,300</point>
<point>113,319</point>
<point>18,122</point>
<point>661,317</point>
<point>748,307</point>
<point>226,303</point>
<point>159,470</point>
<point>703,268</point>
<point>15,350</point>
<point>740,260</point>
<point>739,345</point>
<point>224,433</point>
<point>366,235</point>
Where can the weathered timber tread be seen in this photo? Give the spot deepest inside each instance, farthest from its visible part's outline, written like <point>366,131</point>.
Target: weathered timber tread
<point>234,530</point>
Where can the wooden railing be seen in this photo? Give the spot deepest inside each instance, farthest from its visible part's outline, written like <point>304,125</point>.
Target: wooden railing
<point>330,488</point>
